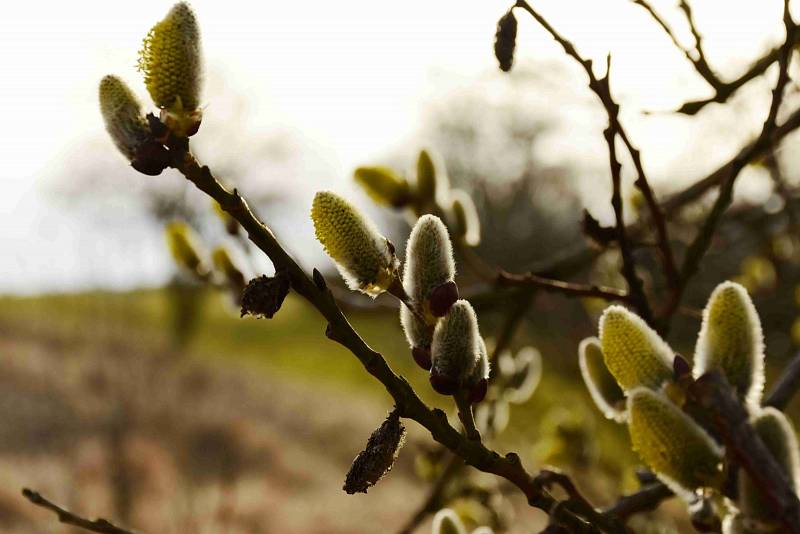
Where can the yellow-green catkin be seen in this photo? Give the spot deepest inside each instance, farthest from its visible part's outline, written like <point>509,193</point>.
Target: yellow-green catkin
<point>466,223</point>
<point>521,375</point>
<point>731,340</point>
<point>223,263</point>
<point>184,245</point>
<point>123,116</point>
<point>384,186</point>
<point>777,433</point>
<point>172,65</point>
<point>634,353</point>
<point>427,178</point>
<point>602,386</point>
<point>363,256</point>
<point>456,345</point>
<point>670,443</point>
<point>446,521</point>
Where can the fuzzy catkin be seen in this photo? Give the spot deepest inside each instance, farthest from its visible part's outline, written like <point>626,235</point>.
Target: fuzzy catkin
<point>171,60</point>
<point>602,386</point>
<point>426,177</point>
<point>670,443</point>
<point>777,433</point>
<point>418,332</point>
<point>383,185</point>
<point>455,349</point>
<point>122,115</point>
<point>447,522</point>
<point>731,340</point>
<point>429,258</point>
<point>363,256</point>
<point>184,245</point>
<point>634,353</point>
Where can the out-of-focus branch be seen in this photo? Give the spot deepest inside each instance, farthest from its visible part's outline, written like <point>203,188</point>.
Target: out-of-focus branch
<point>407,402</point>
<point>68,518</point>
<point>435,499</point>
<point>787,386</point>
<point>566,288</point>
<point>646,499</point>
<point>698,247</point>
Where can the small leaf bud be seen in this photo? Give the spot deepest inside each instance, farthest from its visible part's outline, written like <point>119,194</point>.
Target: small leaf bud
<point>264,295</point>
<point>602,386</point>
<point>731,340</point>
<point>442,297</point>
<point>364,257</point>
<point>670,443</point>
<point>377,458</point>
<point>384,186</point>
<point>634,353</point>
<point>172,65</point>
<point>505,40</point>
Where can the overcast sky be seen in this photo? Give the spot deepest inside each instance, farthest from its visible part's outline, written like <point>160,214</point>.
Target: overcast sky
<point>349,79</point>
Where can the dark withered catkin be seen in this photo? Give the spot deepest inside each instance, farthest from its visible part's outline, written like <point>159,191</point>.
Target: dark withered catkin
<point>505,40</point>
<point>377,458</point>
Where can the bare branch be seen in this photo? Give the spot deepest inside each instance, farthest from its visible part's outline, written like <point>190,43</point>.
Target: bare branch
<point>566,288</point>
<point>68,518</point>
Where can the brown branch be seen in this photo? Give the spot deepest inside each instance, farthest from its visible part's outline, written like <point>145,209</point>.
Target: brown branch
<point>646,499</point>
<point>698,247</point>
<point>565,288</point>
<point>408,403</point>
<point>68,518</point>
<point>713,393</point>
<point>787,386</point>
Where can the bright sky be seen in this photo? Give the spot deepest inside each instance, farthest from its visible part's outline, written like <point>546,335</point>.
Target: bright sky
<point>350,77</point>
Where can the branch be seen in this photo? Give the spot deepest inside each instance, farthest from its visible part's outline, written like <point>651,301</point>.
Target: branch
<point>408,403</point>
<point>68,518</point>
<point>566,288</point>
<point>730,419</point>
<point>644,500</point>
<point>787,386</point>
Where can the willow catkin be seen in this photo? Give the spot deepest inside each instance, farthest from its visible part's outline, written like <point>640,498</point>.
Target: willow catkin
<point>602,385</point>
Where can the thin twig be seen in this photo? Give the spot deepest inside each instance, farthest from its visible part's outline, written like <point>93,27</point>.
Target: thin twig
<point>68,518</point>
<point>566,288</point>
<point>646,499</point>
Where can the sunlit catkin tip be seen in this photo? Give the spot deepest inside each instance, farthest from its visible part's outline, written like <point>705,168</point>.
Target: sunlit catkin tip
<point>429,262</point>
<point>505,41</point>
<point>634,353</point>
<point>426,177</point>
<point>466,223</point>
<point>778,434</point>
<point>455,349</point>
<point>602,386</point>
<point>670,443</point>
<point>364,257</point>
<point>446,521</point>
<point>171,61</point>
<point>384,186</point>
<point>185,248</point>
<point>730,339</point>
<point>123,116</point>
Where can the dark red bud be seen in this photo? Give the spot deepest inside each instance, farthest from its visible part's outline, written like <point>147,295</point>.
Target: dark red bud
<point>680,367</point>
<point>422,356</point>
<point>444,385</point>
<point>151,158</point>
<point>442,298</point>
<point>478,391</point>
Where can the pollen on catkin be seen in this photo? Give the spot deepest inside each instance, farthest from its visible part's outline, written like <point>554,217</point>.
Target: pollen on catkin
<point>602,386</point>
<point>455,349</point>
<point>447,522</point>
<point>122,114</point>
<point>777,433</point>
<point>384,186</point>
<point>171,60</point>
<point>466,223</point>
<point>363,256</point>
<point>670,443</point>
<point>634,353</point>
<point>731,340</point>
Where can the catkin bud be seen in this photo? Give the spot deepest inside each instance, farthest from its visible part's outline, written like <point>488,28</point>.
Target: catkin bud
<point>505,40</point>
<point>466,223</point>
<point>426,178</point>
<point>418,333</point>
<point>128,128</point>
<point>455,349</point>
<point>384,186</point>
<point>670,443</point>
<point>377,458</point>
<point>730,339</point>
<point>172,65</point>
<point>364,257</point>
<point>429,266</point>
<point>447,522</point>
<point>602,386</point>
<point>479,379</point>
<point>634,353</point>
<point>184,245</point>
<point>224,264</point>
<point>778,434</point>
